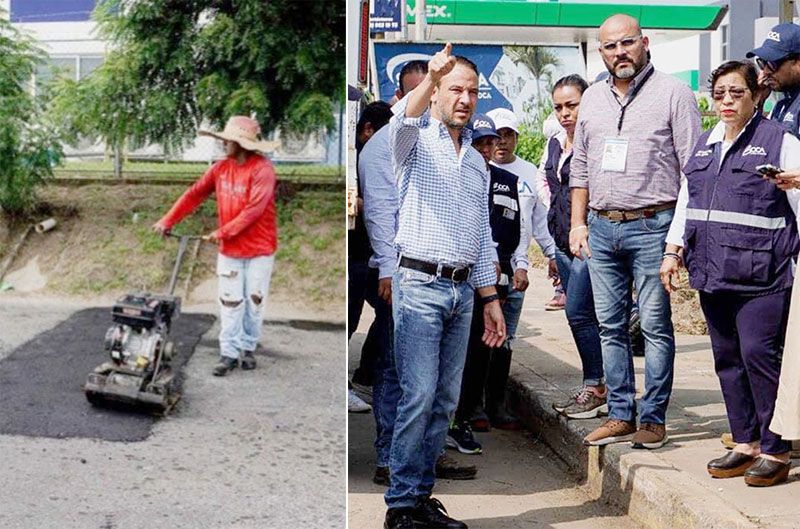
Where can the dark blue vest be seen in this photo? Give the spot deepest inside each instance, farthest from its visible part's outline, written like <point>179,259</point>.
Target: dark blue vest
<point>504,215</point>
<point>787,113</point>
<point>741,233</point>
<point>558,216</point>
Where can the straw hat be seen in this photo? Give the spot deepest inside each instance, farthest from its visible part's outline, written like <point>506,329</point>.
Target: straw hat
<point>244,131</point>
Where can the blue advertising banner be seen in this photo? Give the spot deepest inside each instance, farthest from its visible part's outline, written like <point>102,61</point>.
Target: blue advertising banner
<point>385,16</point>
<point>51,10</point>
<point>514,77</point>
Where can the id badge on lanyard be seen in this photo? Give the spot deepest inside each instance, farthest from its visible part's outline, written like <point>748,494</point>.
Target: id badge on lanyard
<point>615,154</point>
<point>615,149</point>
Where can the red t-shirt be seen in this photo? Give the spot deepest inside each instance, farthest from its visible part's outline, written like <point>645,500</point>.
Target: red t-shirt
<point>245,205</point>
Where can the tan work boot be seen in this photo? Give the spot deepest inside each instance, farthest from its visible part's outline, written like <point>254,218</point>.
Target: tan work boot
<point>611,431</point>
<point>650,436</point>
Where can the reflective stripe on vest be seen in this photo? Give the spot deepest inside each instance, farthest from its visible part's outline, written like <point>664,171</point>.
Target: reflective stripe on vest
<point>506,201</point>
<point>732,217</point>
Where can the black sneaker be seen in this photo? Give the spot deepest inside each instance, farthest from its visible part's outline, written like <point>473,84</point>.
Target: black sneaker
<point>431,513</point>
<point>460,437</point>
<point>248,360</point>
<point>381,476</point>
<point>398,519</point>
<point>224,365</point>
<point>449,468</point>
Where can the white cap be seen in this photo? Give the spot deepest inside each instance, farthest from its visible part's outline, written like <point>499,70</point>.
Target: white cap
<point>504,119</point>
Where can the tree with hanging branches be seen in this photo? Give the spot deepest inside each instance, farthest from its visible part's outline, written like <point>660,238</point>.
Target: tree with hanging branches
<point>174,64</point>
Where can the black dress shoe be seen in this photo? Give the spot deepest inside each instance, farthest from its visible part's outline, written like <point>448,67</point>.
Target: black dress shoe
<point>766,472</point>
<point>381,476</point>
<point>730,465</point>
<point>431,514</point>
<point>398,519</point>
<point>449,468</point>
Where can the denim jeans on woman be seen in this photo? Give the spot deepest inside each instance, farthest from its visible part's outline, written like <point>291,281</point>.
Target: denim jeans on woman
<point>574,274</point>
<point>431,329</point>
<point>243,291</point>
<point>621,252</point>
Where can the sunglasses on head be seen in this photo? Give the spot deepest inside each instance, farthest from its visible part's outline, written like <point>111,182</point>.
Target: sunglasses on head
<point>774,65</point>
<point>736,92</point>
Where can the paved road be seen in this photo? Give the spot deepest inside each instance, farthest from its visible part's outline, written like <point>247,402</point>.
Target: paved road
<point>260,449</point>
<point>521,483</point>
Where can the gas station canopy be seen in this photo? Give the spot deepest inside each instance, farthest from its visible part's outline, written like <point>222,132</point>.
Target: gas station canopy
<point>513,20</point>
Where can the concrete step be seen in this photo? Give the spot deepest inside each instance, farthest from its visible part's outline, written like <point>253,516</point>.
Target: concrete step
<point>659,489</point>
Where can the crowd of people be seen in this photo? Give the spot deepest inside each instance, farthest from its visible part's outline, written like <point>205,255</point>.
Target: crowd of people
<point>628,191</point>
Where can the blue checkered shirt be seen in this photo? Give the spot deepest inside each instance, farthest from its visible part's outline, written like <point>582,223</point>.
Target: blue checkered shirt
<point>443,196</point>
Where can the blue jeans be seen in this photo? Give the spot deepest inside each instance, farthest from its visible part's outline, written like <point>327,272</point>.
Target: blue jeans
<point>621,252</point>
<point>385,386</point>
<point>512,309</point>
<point>581,317</point>
<point>431,329</point>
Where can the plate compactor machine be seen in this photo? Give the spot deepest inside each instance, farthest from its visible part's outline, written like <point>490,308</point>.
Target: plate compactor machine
<point>139,376</point>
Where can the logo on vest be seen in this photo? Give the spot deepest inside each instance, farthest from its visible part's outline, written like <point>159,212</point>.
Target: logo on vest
<point>481,124</point>
<point>702,154</point>
<point>751,150</point>
<point>788,117</point>
<point>500,187</point>
<point>774,35</point>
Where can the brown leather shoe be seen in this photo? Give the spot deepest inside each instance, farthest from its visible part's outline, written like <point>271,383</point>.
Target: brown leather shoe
<point>449,468</point>
<point>766,473</point>
<point>650,436</point>
<point>611,431</point>
<point>730,465</point>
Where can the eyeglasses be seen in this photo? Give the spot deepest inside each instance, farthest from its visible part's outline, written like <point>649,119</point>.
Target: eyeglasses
<point>626,43</point>
<point>736,92</point>
<point>774,65</point>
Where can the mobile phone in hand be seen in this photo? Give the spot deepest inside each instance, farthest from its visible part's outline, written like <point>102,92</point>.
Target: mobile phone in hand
<point>769,171</point>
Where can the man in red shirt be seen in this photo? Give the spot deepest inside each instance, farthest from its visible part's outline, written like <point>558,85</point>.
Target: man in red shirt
<point>244,185</point>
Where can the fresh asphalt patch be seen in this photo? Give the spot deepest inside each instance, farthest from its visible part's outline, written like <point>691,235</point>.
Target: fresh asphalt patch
<point>41,381</point>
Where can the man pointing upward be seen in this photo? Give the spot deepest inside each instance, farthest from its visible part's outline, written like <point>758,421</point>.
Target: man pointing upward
<point>446,253</point>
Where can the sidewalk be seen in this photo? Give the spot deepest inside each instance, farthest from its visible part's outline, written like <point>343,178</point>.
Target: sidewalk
<point>666,488</point>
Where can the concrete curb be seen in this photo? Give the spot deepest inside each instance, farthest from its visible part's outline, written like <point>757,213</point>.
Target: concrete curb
<point>644,486</point>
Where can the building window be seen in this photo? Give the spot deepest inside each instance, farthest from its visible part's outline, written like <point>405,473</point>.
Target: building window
<point>726,45</point>
<point>74,67</point>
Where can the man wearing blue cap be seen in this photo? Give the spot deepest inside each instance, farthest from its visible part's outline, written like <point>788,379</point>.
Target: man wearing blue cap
<point>484,369</point>
<point>779,60</point>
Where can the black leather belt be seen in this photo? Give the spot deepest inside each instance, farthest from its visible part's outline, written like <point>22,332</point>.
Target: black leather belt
<point>624,215</point>
<point>447,272</point>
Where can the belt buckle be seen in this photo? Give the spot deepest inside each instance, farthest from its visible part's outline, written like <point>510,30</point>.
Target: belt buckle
<point>616,215</point>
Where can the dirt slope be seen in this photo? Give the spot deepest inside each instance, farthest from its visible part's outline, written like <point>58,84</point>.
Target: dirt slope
<point>103,246</point>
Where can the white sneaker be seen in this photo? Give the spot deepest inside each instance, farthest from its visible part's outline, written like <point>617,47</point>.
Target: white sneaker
<point>355,404</point>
